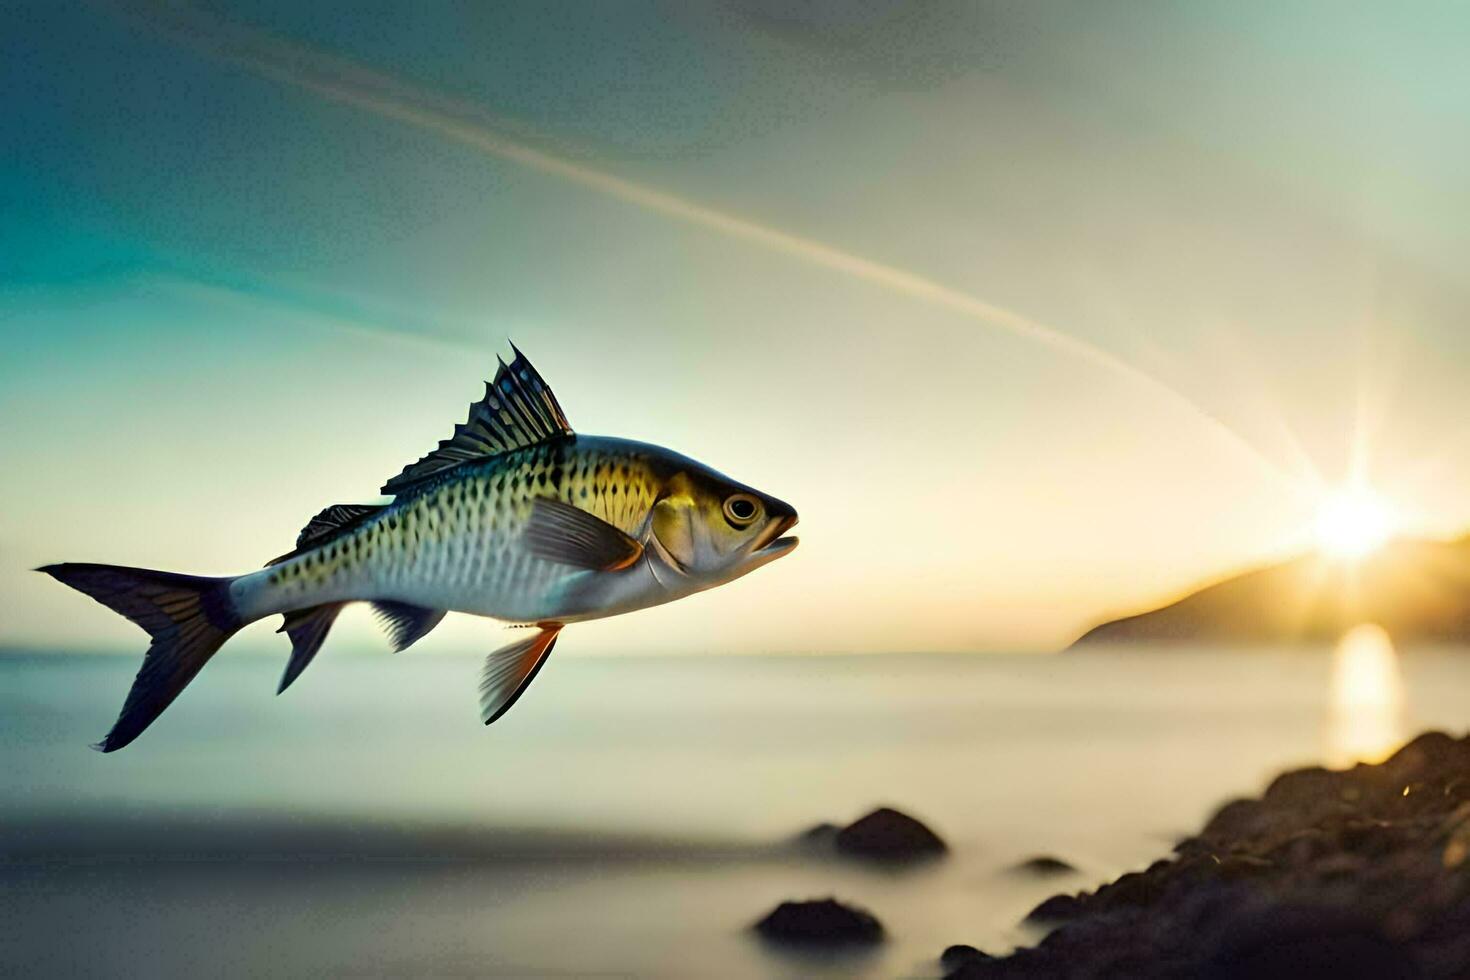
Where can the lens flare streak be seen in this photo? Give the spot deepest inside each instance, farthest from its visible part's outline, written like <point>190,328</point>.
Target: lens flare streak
<point>341,80</point>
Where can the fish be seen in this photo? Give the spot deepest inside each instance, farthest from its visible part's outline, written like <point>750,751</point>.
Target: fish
<point>515,517</point>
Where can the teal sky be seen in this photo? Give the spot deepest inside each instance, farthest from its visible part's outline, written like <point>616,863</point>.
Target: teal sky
<point>227,299</point>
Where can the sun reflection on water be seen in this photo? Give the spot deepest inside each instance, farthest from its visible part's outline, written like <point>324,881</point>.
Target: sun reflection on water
<point>1365,714</point>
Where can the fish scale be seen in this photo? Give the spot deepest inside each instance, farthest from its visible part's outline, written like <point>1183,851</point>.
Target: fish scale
<point>439,542</point>
<point>514,517</point>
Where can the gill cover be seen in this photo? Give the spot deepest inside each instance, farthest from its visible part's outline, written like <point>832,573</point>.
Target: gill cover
<point>673,531</point>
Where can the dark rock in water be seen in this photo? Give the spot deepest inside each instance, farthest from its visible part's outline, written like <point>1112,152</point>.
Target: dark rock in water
<point>960,955</point>
<point>1045,864</point>
<point>825,922</point>
<point>1362,873</point>
<point>887,835</point>
<point>822,835</point>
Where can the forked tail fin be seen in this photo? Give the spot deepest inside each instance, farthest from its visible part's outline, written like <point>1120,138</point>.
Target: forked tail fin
<point>189,617</point>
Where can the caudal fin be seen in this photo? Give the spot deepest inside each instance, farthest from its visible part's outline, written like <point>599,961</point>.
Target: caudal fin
<point>189,617</point>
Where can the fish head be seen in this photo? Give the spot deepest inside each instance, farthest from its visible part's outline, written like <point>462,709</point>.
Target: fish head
<point>712,529</point>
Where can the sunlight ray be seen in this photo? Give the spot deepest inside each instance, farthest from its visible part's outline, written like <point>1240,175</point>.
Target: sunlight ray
<point>342,80</point>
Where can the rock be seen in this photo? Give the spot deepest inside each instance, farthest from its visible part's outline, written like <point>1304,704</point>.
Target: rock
<point>1045,864</point>
<point>1340,874</point>
<point>821,831</point>
<point>1428,751</point>
<point>1234,819</point>
<point>1319,958</point>
<point>1242,866</point>
<point>823,922</point>
<point>1305,787</point>
<point>1302,848</point>
<point>1023,964</point>
<point>822,835</point>
<point>960,955</point>
<point>888,835</point>
<point>1058,908</point>
<point>1307,942</point>
<point>1134,888</point>
<point>1372,838</point>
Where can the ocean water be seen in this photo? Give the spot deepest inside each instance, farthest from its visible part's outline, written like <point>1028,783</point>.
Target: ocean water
<point>631,816</point>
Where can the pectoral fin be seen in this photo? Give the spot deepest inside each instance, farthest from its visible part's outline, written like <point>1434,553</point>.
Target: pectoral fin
<point>509,671</point>
<point>569,535</point>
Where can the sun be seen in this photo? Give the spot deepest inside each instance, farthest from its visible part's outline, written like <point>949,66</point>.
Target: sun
<point>1354,522</point>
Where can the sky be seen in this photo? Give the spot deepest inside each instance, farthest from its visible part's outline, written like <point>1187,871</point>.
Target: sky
<point>1038,313</point>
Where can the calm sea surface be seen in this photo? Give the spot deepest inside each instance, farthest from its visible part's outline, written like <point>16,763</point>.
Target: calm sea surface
<point>631,816</point>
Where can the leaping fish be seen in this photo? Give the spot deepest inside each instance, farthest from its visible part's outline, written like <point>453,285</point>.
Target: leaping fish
<point>514,517</point>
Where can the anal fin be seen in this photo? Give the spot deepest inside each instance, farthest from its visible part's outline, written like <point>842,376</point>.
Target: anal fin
<point>307,628</point>
<point>509,671</point>
<point>406,624</point>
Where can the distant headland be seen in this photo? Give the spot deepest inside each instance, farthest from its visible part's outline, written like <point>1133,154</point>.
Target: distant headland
<point>1419,591</point>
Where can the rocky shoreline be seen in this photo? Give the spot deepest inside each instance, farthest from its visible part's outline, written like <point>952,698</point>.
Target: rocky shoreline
<point>1356,873</point>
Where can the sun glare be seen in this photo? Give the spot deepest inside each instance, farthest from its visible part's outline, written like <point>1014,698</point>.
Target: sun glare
<point>1354,522</point>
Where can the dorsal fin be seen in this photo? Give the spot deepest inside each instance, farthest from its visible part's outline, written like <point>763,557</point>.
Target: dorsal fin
<point>518,410</point>
<point>327,524</point>
<point>333,520</point>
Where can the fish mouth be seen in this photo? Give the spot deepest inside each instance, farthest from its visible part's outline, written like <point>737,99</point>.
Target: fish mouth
<point>770,544</point>
<point>780,546</point>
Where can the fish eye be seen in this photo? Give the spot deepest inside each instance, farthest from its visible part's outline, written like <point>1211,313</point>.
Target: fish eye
<point>741,509</point>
